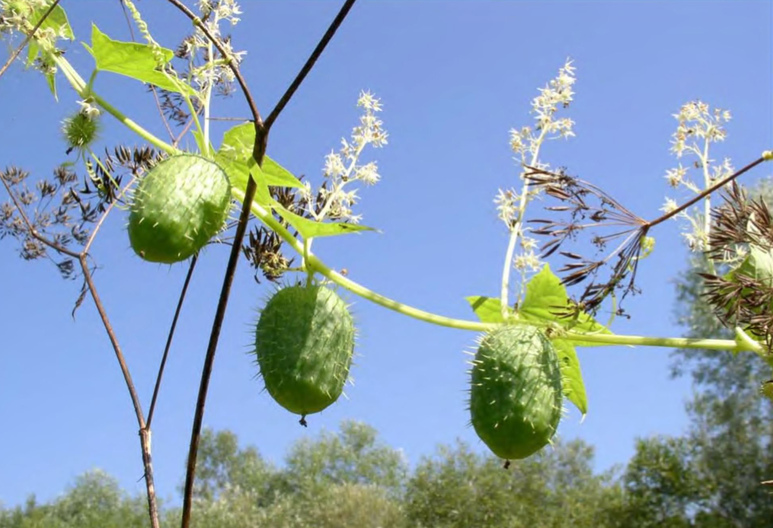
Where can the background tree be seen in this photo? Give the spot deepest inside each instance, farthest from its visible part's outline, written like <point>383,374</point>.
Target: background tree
<point>712,475</point>
<point>94,501</point>
<point>556,487</point>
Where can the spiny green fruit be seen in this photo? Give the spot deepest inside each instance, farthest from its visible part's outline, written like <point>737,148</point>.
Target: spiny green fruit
<point>515,398</point>
<point>178,207</point>
<point>304,343</point>
<point>80,130</point>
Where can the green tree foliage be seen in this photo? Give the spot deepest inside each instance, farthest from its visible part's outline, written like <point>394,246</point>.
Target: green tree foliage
<point>94,501</point>
<point>556,487</point>
<point>660,486</point>
<point>349,479</point>
<point>728,449</point>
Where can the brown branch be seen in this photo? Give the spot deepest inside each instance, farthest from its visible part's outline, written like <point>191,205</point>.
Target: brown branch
<point>31,229</point>
<point>169,338</point>
<point>309,63</point>
<point>705,193</point>
<point>28,37</point>
<point>83,261</point>
<point>145,434</point>
<point>258,152</point>
<point>199,23</point>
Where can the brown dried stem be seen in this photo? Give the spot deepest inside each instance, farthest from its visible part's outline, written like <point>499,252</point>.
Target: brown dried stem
<point>169,338</point>
<point>258,152</point>
<point>82,257</point>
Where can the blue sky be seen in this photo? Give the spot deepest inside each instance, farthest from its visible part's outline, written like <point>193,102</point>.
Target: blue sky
<point>453,79</point>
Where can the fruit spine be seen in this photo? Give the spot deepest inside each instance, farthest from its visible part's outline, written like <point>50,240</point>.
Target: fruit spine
<point>515,395</point>
<point>304,342</point>
<point>178,206</point>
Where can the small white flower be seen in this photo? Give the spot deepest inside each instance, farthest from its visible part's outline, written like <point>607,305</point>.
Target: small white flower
<point>507,208</point>
<point>669,205</point>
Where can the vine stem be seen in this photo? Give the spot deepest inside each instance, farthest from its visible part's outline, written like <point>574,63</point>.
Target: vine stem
<point>318,265</point>
<point>578,338</point>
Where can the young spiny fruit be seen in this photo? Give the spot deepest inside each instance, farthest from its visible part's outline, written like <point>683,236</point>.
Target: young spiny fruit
<point>304,343</point>
<point>178,206</point>
<point>515,398</point>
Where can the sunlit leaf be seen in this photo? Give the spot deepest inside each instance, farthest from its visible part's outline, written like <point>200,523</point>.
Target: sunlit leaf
<point>237,145</point>
<point>488,309</point>
<point>311,229</point>
<point>135,60</point>
<point>572,384</point>
<point>238,174</point>
<point>545,300</point>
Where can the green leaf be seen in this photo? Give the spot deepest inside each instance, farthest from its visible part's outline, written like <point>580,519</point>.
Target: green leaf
<point>56,20</point>
<point>758,265</point>
<point>545,297</point>
<point>311,229</point>
<point>488,309</point>
<point>238,174</point>
<point>135,60</point>
<point>572,384</point>
<point>237,145</point>
<point>235,156</point>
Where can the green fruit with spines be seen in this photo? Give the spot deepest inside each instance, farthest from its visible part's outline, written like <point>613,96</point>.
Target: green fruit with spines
<point>178,206</point>
<point>80,130</point>
<point>515,394</point>
<point>304,342</point>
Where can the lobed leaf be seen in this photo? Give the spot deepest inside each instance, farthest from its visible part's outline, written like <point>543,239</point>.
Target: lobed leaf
<point>488,309</point>
<point>135,60</point>
<point>237,145</point>
<point>311,229</point>
<point>546,297</point>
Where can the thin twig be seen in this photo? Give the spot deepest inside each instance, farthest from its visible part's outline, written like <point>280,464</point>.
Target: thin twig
<point>101,220</point>
<point>28,37</point>
<point>161,112</point>
<point>705,193</point>
<point>170,337</point>
<point>199,23</point>
<point>309,63</point>
<point>144,433</point>
<point>258,152</point>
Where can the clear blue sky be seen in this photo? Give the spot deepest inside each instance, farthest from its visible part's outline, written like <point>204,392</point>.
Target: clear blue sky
<point>453,78</point>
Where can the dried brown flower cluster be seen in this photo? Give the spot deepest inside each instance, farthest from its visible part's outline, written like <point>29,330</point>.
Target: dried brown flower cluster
<point>58,216</point>
<point>742,235</point>
<point>584,206</point>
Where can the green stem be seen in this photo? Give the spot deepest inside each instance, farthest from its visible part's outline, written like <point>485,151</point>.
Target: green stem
<point>312,262</point>
<point>515,231</point>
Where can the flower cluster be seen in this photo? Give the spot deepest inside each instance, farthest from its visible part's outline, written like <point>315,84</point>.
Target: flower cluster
<point>21,16</point>
<point>525,144</point>
<point>698,127</point>
<point>343,167</point>
<point>214,73</point>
